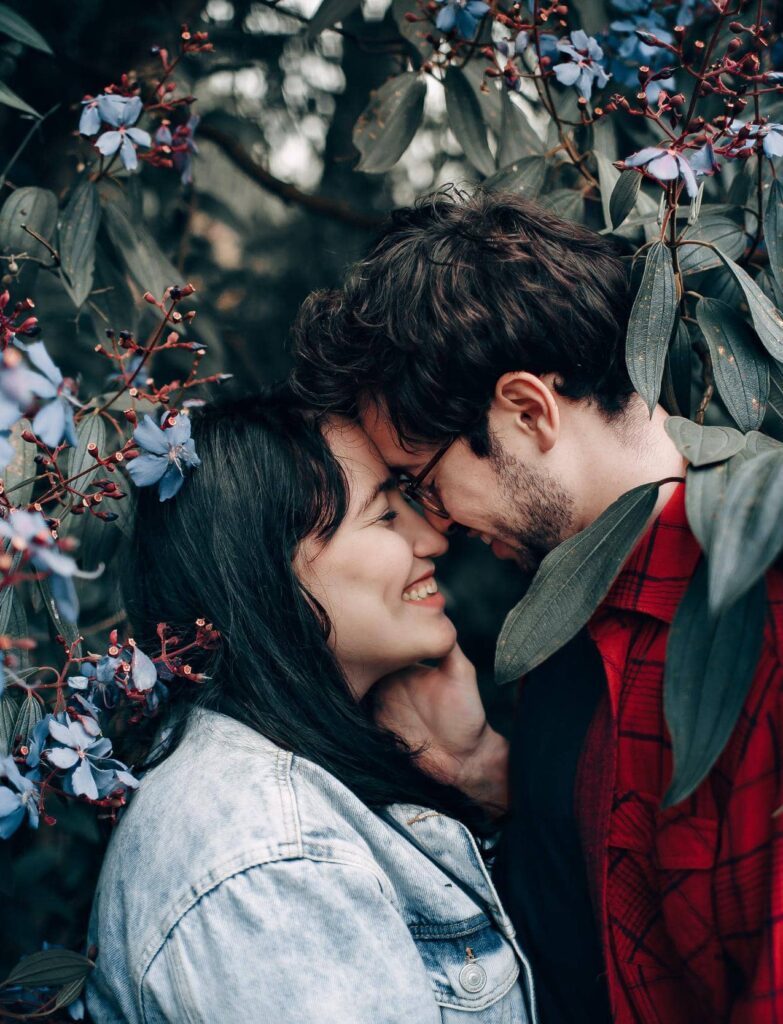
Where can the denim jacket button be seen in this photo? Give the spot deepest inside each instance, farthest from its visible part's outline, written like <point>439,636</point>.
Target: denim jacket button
<point>473,977</point>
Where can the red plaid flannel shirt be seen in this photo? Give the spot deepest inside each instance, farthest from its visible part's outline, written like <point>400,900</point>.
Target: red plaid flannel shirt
<point>691,898</point>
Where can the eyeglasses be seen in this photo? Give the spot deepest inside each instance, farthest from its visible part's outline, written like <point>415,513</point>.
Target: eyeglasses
<point>425,495</point>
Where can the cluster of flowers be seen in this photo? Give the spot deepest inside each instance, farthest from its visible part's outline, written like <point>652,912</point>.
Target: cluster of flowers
<point>112,116</point>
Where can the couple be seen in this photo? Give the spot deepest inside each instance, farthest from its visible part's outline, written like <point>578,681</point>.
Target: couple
<point>313,841</point>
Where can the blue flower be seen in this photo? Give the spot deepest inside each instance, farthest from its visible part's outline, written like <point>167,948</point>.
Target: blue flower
<point>122,112</point>
<point>665,165</point>
<point>462,15</point>
<point>83,753</point>
<point>90,121</point>
<point>703,160</point>
<point>28,532</point>
<point>771,135</point>
<point>15,805</point>
<point>54,420</point>
<point>144,675</point>
<point>583,69</point>
<point>36,741</point>
<point>167,453</point>
<point>631,52</point>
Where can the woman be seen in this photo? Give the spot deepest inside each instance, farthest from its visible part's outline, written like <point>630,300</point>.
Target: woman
<point>286,859</point>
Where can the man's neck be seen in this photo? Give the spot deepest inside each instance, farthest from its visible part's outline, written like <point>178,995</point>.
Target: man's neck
<point>624,453</point>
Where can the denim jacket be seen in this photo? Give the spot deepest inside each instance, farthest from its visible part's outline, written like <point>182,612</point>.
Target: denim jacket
<point>244,883</point>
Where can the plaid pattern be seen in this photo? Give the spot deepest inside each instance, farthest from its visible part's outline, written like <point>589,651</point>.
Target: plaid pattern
<point>690,899</point>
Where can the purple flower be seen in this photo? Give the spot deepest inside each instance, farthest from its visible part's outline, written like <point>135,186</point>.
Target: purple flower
<point>167,453</point>
<point>461,15</point>
<point>703,160</point>
<point>122,112</point>
<point>771,135</point>
<point>83,753</point>
<point>665,165</point>
<point>583,69</point>
<point>28,531</point>
<point>18,801</point>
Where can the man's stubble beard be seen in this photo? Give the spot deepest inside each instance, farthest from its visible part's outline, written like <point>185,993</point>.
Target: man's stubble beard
<point>539,513</point>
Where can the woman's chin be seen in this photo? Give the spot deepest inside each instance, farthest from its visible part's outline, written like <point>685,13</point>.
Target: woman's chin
<point>439,639</point>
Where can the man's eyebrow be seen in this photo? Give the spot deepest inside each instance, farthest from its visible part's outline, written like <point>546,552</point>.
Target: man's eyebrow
<point>389,484</point>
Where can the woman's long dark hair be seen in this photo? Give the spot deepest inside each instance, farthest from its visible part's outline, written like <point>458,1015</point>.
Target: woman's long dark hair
<point>222,550</point>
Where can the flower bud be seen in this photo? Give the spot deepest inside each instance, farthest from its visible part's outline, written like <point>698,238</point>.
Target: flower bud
<point>149,297</point>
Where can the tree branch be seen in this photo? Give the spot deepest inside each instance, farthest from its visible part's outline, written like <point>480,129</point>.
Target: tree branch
<point>320,205</point>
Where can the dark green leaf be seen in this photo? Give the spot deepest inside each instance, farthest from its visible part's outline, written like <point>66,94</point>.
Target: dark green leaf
<point>30,713</point>
<point>389,122</point>
<point>9,709</point>
<point>21,468</point>
<point>68,630</point>
<point>517,138</point>
<point>748,533</point>
<point>741,372</point>
<point>767,283</point>
<point>705,492</point>
<point>651,324</point>
<point>677,372</point>
<point>623,198</point>
<point>526,175</point>
<point>570,584</point>
<point>719,231</point>
<point>773,229</point>
<point>568,203</point>
<point>91,430</point>
<point>330,12</point>
<point>9,98</point>
<point>467,122</point>
<point>757,443</point>
<point>49,967</point>
<point>111,303</point>
<point>148,266</point>
<point>608,177</point>
<point>35,207</point>
<point>15,26</point>
<point>702,446</point>
<point>415,31</point>
<point>766,317</point>
<point>710,663</point>
<point>78,232</point>
<point>68,993</point>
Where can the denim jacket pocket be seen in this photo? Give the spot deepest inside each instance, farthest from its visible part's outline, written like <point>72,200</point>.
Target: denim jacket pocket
<point>471,966</point>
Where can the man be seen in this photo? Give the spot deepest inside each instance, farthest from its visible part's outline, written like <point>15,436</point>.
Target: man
<point>481,344</point>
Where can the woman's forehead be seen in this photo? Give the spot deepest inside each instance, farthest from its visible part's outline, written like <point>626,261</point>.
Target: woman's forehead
<point>358,456</point>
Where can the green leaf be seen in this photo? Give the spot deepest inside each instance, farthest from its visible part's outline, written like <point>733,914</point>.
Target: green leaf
<point>517,138</point>
<point>9,98</point>
<point>773,229</point>
<point>91,430</point>
<point>718,231</point>
<point>702,446</point>
<point>570,584</point>
<point>608,178</point>
<point>147,265</point>
<point>49,967</point>
<point>748,533</point>
<point>568,203</point>
<point>330,12</point>
<point>766,317</point>
<point>35,207</point>
<point>705,493</point>
<point>9,708</point>
<point>526,175</point>
<point>29,715</point>
<point>466,121</point>
<point>651,324</point>
<point>68,993</point>
<point>78,232</point>
<point>741,374</point>
<point>389,122</point>
<point>15,26</point>
<point>710,663</point>
<point>757,443</point>
<point>68,630</point>
<point>415,31</point>
<point>677,372</point>
<point>623,197</point>
<point>21,468</point>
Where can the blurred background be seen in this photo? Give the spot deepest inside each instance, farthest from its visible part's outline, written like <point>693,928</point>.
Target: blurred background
<point>275,210</point>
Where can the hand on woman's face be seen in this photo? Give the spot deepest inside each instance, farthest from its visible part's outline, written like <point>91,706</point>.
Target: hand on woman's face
<point>375,577</point>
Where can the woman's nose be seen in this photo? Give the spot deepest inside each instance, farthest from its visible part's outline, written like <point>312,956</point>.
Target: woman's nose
<point>430,539</point>
<point>443,526</point>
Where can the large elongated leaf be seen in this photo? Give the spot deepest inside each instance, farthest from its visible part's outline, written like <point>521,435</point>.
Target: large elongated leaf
<point>710,662</point>
<point>773,229</point>
<point>20,473</point>
<point>677,372</point>
<point>10,99</point>
<point>719,231</point>
<point>389,122</point>
<point>568,203</point>
<point>608,177</point>
<point>148,266</point>
<point>9,708</point>
<point>49,967</point>
<point>15,26</point>
<point>651,324</point>
<point>35,207</point>
<point>741,372</point>
<point>30,713</point>
<point>623,197</point>
<point>415,31</point>
<point>705,493</point>
<point>749,528</point>
<point>767,319</point>
<point>78,232</point>
<point>466,121</point>
<point>702,446</point>
<point>329,13</point>
<point>526,175</point>
<point>66,629</point>
<point>517,138</point>
<point>570,584</point>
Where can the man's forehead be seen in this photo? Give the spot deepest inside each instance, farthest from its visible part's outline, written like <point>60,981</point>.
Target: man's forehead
<point>376,424</point>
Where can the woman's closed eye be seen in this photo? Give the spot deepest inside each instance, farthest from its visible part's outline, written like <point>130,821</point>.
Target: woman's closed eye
<point>388,516</point>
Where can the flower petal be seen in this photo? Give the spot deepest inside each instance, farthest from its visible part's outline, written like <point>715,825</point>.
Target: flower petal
<point>143,671</point>
<point>64,596</point>
<point>128,154</point>
<point>42,361</point>
<point>62,757</point>
<point>90,121</point>
<point>446,18</point>
<point>664,167</point>
<point>568,73</point>
<point>140,137</point>
<point>82,781</point>
<point>146,470</point>
<point>170,483</point>
<point>49,423</point>
<point>109,143</point>
<point>149,435</point>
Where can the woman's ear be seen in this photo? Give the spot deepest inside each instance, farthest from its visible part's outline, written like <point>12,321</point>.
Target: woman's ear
<point>530,405</point>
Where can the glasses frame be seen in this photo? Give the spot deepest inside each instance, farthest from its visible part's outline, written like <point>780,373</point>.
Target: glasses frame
<point>415,490</point>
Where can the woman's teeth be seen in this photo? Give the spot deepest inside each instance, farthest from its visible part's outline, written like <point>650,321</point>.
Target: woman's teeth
<point>422,590</point>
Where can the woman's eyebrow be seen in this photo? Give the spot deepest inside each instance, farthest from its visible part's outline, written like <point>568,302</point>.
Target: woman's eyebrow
<point>389,484</point>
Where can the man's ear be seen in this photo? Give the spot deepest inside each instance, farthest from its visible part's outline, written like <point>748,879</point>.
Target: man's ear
<point>530,405</point>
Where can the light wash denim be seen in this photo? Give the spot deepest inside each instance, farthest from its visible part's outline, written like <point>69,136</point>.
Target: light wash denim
<point>244,884</point>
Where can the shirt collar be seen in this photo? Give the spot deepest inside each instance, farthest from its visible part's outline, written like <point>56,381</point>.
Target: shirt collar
<point>656,575</point>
